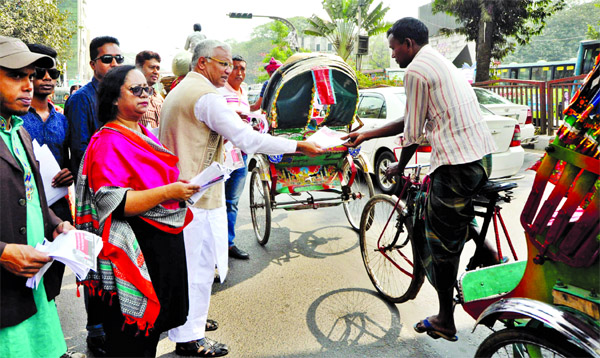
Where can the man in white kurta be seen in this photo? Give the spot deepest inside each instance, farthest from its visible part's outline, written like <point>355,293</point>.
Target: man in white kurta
<point>194,120</point>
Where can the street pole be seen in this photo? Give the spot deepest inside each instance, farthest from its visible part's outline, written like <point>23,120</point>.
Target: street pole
<point>361,4</point>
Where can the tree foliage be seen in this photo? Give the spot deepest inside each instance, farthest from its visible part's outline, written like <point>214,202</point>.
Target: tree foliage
<point>491,23</point>
<point>593,33</point>
<point>560,39</point>
<point>342,27</point>
<point>379,52</point>
<point>35,21</point>
<point>266,41</point>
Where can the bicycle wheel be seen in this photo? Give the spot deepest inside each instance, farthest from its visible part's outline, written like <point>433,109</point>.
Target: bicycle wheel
<point>528,342</point>
<point>391,262</point>
<point>260,207</point>
<point>360,192</point>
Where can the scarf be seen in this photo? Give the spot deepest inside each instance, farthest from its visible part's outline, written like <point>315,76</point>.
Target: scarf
<point>119,159</point>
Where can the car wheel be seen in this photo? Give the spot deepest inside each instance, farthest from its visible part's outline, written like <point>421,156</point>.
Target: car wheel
<point>383,161</point>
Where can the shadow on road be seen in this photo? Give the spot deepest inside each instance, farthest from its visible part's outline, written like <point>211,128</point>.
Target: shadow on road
<point>348,319</point>
<point>281,249</point>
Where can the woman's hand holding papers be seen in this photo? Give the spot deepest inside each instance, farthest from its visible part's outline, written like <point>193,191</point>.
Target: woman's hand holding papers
<point>181,191</point>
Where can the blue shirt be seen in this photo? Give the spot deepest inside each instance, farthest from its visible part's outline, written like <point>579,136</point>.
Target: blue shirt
<point>81,110</point>
<point>264,87</point>
<point>53,132</point>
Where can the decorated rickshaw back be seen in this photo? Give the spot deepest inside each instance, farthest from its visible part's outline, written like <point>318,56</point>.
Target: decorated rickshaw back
<point>310,91</point>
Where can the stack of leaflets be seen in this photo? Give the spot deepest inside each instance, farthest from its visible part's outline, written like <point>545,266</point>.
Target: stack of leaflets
<point>215,173</point>
<point>327,138</point>
<point>77,249</point>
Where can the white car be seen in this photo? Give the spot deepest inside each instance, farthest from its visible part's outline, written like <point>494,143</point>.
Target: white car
<point>379,106</point>
<point>503,107</point>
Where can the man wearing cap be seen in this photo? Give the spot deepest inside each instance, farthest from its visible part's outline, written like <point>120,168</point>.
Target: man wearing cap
<point>80,108</point>
<point>29,323</point>
<point>271,67</point>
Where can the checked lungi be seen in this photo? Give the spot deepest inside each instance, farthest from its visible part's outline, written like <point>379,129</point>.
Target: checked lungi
<point>448,214</point>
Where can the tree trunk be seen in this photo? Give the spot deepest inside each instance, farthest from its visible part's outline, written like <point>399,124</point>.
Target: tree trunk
<point>484,47</point>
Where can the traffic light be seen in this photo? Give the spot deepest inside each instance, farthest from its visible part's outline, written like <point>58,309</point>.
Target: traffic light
<point>363,45</point>
<point>240,15</point>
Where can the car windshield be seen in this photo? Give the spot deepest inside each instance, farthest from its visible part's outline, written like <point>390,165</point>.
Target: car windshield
<point>489,97</point>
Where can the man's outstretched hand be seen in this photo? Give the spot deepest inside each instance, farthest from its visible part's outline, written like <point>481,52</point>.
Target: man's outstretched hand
<point>354,139</point>
<point>309,148</point>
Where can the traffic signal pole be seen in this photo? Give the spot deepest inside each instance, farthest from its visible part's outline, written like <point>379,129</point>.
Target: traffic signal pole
<point>292,37</point>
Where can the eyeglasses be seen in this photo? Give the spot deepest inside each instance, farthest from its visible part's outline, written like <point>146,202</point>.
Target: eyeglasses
<point>222,63</point>
<point>138,90</point>
<point>40,73</point>
<point>109,59</point>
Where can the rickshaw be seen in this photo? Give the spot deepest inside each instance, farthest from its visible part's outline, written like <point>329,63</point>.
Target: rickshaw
<point>548,303</point>
<point>309,92</point>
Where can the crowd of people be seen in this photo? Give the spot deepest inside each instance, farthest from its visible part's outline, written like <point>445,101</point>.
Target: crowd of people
<point>131,154</point>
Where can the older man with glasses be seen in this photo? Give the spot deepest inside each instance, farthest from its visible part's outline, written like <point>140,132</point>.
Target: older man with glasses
<point>195,119</point>
<point>81,111</point>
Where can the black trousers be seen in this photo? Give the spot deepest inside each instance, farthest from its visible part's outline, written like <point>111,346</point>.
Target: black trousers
<point>126,340</point>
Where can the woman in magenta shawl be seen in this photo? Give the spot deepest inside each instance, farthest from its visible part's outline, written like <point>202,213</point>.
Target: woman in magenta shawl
<point>128,192</point>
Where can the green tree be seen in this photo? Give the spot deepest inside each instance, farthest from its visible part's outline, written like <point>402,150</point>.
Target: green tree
<point>592,32</point>
<point>560,39</point>
<point>379,52</point>
<point>266,41</point>
<point>491,23</point>
<point>34,21</point>
<point>342,27</point>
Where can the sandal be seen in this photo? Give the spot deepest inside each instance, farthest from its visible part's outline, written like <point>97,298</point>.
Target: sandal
<point>204,347</point>
<point>211,325</point>
<point>426,327</point>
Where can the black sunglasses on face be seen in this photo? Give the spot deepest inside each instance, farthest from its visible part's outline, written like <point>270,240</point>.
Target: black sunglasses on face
<point>109,59</point>
<point>40,73</point>
<point>138,90</point>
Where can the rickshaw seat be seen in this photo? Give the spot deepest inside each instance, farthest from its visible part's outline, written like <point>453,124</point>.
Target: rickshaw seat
<point>492,187</point>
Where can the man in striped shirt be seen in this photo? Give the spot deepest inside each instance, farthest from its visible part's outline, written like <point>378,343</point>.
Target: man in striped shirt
<point>237,98</point>
<point>149,63</point>
<point>443,109</point>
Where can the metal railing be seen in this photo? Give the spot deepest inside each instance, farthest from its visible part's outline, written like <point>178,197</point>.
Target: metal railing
<point>546,100</point>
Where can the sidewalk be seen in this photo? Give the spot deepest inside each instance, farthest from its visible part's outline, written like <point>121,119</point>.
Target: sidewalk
<point>542,143</point>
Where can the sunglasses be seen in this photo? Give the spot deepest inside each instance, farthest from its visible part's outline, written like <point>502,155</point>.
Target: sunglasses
<point>40,73</point>
<point>222,63</point>
<point>109,59</point>
<point>138,90</point>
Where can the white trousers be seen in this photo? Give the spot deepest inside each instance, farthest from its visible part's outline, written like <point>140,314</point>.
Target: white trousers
<point>205,245</point>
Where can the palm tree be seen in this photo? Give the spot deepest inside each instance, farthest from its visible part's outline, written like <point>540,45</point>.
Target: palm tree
<point>343,27</point>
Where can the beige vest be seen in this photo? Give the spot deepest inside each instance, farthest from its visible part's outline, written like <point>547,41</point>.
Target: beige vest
<point>196,145</point>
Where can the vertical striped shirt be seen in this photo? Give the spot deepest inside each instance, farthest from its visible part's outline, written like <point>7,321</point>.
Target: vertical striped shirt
<point>238,100</point>
<point>441,105</point>
<point>152,116</point>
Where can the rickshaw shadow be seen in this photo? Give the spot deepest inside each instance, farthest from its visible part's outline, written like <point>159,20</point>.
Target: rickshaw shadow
<point>352,320</point>
<point>319,243</point>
